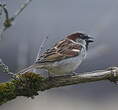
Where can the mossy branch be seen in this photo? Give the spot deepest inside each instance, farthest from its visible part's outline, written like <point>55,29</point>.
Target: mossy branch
<point>29,84</point>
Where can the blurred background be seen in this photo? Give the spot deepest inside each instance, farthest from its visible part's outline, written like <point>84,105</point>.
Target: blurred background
<point>56,19</point>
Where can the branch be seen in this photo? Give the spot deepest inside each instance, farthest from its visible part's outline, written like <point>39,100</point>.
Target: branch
<point>9,20</point>
<point>23,6</point>
<point>108,74</point>
<point>29,84</point>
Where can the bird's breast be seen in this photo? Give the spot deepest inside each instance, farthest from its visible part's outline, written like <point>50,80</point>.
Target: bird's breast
<point>67,65</point>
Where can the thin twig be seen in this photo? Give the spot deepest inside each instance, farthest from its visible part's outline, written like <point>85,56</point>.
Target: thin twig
<point>41,48</point>
<point>2,30</point>
<point>0,11</point>
<point>23,6</point>
<point>4,68</point>
<point>9,20</point>
<point>5,11</point>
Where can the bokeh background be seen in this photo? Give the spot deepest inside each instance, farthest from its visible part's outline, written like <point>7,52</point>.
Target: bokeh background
<point>55,19</point>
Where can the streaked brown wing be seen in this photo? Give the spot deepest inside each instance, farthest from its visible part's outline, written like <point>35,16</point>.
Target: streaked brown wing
<point>62,50</point>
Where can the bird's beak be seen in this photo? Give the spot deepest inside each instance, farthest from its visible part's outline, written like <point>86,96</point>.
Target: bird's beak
<point>90,39</point>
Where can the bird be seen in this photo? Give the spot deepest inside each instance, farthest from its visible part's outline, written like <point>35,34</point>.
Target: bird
<point>64,57</point>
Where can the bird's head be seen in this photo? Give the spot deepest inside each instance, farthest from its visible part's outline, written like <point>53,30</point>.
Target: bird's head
<point>81,38</point>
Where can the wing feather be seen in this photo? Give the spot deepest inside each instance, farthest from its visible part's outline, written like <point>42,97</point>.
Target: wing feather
<point>62,50</point>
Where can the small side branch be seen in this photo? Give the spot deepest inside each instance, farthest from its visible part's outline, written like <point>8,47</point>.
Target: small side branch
<point>4,68</point>
<point>7,23</point>
<point>23,6</point>
<point>41,48</point>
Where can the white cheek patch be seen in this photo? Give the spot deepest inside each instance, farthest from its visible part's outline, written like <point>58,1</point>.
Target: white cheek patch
<point>55,47</point>
<point>75,50</point>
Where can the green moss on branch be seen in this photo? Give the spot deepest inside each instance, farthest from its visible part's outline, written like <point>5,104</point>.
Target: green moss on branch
<point>27,84</point>
<point>7,92</point>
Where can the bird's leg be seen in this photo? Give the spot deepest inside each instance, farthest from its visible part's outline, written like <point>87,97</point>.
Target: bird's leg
<point>113,79</point>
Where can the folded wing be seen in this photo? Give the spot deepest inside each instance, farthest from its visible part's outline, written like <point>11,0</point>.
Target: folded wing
<point>62,50</point>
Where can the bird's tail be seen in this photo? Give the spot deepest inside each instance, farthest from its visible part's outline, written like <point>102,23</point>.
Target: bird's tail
<point>34,66</point>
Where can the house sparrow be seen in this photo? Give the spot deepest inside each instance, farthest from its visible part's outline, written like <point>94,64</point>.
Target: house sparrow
<point>65,56</point>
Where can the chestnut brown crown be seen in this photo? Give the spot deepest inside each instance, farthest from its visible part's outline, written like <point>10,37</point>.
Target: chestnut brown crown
<point>82,36</point>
